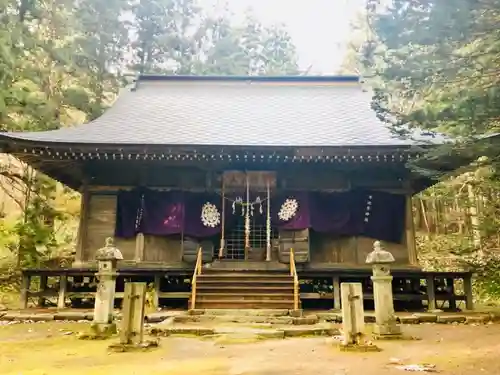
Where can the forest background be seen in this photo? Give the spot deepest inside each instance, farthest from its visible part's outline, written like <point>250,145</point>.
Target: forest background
<point>434,65</point>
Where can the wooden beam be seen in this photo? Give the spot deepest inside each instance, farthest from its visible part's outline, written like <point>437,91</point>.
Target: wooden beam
<point>469,303</point>
<point>410,232</point>
<point>83,225</point>
<point>25,289</point>
<point>336,293</point>
<point>431,292</point>
<point>157,291</point>
<point>139,247</point>
<point>63,284</point>
<point>43,287</point>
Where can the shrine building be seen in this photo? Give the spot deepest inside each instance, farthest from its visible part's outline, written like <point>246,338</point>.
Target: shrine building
<point>240,192</point>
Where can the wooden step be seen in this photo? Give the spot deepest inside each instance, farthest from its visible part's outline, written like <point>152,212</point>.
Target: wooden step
<point>245,304</point>
<point>239,289</point>
<point>244,290</point>
<point>247,278</point>
<point>202,297</point>
<point>247,275</point>
<point>229,282</point>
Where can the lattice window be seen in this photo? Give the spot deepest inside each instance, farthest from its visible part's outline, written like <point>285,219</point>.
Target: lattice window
<point>235,238</point>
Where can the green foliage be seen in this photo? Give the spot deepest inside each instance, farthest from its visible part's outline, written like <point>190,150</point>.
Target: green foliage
<point>474,246</point>
<point>437,65</point>
<point>62,63</point>
<point>440,252</point>
<point>179,37</point>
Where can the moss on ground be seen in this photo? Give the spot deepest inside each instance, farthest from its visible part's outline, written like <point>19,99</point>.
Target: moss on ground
<point>47,348</point>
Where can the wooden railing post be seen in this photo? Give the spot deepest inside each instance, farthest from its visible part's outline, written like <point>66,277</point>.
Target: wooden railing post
<point>197,271</point>
<point>293,273</point>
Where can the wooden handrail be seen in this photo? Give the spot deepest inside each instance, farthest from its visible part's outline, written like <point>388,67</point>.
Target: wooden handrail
<point>293,272</point>
<point>197,271</point>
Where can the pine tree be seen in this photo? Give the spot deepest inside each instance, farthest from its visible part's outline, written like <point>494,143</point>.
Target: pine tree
<point>178,37</point>
<point>440,66</point>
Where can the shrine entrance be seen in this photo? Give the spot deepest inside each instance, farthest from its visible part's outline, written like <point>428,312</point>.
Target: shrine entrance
<point>235,239</point>
<point>247,232</point>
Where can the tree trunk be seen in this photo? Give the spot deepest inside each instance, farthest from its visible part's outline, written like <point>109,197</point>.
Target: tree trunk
<point>474,219</point>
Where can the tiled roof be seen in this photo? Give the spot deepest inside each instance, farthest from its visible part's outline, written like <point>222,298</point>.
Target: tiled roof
<point>245,112</point>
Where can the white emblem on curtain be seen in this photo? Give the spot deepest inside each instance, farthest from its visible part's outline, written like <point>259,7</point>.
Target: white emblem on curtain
<point>210,215</point>
<point>288,209</point>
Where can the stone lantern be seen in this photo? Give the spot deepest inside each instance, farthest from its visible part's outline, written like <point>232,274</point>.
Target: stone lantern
<point>385,321</point>
<point>107,258</point>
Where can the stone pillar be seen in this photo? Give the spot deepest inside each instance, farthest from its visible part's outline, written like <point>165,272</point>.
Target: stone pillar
<point>132,324</point>
<point>353,316</point>
<point>353,319</point>
<point>104,325</point>
<point>385,320</point>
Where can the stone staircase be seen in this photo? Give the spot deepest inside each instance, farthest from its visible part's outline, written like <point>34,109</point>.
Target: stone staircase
<point>226,289</point>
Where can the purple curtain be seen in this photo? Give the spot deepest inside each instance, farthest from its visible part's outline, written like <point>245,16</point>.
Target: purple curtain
<point>193,224</point>
<point>370,213</point>
<point>331,213</point>
<point>374,214</point>
<point>163,213</point>
<point>301,219</point>
<point>128,213</point>
<point>382,215</point>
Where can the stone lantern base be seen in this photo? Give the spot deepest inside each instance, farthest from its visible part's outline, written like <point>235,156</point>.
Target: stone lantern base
<point>387,332</point>
<point>100,331</point>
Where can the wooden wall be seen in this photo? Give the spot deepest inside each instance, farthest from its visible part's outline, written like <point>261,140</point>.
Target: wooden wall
<point>351,250</point>
<point>100,224</point>
<point>99,215</point>
<point>162,249</point>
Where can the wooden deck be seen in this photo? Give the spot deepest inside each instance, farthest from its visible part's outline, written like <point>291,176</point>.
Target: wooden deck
<point>410,285</point>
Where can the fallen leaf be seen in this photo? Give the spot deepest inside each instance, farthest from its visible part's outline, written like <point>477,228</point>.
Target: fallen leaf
<point>395,361</point>
<point>418,368</point>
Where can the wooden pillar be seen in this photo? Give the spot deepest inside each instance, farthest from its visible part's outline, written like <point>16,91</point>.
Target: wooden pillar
<point>139,247</point>
<point>222,245</point>
<point>42,289</point>
<point>450,287</point>
<point>25,289</point>
<point>336,293</point>
<point>157,291</point>
<point>82,227</point>
<point>410,232</point>
<point>431,292</point>
<point>63,284</point>
<point>469,303</point>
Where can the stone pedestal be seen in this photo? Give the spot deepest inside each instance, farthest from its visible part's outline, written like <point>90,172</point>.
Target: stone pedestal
<point>385,320</point>
<point>103,324</point>
<point>353,319</point>
<point>132,324</point>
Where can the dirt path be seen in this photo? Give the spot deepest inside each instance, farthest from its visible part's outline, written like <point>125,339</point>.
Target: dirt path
<point>47,348</point>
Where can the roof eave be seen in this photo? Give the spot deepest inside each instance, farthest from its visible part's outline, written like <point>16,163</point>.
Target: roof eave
<point>218,78</point>
<point>9,140</point>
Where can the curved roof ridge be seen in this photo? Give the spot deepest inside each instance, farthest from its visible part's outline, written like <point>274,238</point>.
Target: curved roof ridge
<point>270,78</point>
<point>174,111</point>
